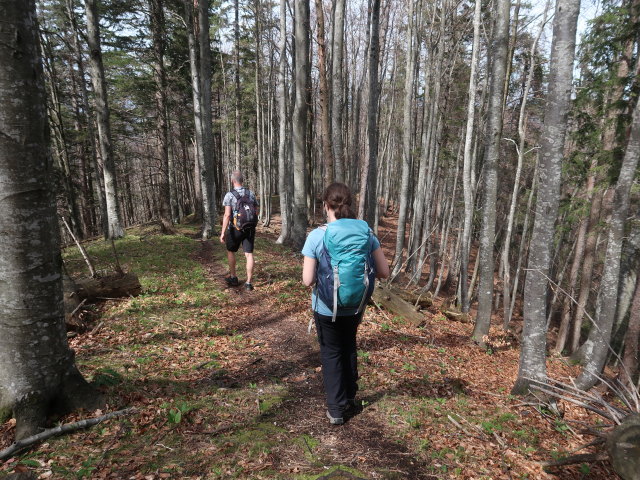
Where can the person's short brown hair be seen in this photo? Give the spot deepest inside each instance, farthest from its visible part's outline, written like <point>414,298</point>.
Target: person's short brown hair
<point>237,177</point>
<point>337,197</point>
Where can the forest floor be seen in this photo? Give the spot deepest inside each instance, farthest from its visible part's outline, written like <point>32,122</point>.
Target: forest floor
<point>227,384</point>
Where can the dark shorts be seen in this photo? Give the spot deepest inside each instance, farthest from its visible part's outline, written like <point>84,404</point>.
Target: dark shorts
<point>234,238</point>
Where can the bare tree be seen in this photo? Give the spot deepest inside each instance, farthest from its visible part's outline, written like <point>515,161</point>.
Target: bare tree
<point>300,118</point>
<point>499,52</point>
<point>597,345</point>
<point>202,167</point>
<point>337,90</point>
<point>283,139</point>
<point>520,150</point>
<point>369,184</point>
<point>37,368</point>
<point>325,114</point>
<point>114,224</point>
<point>409,87</point>
<point>466,168</point>
<point>204,44</point>
<point>534,338</point>
<point>168,205</point>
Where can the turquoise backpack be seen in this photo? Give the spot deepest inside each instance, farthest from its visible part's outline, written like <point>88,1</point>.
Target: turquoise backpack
<point>346,271</point>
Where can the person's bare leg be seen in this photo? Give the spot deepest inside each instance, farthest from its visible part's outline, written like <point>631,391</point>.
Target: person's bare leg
<point>250,263</point>
<point>231,257</point>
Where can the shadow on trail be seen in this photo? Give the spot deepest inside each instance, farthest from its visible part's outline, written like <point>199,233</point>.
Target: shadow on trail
<point>290,357</point>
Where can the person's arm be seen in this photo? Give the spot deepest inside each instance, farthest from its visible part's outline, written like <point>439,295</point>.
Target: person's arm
<point>382,266</point>
<point>309,271</point>
<point>225,222</point>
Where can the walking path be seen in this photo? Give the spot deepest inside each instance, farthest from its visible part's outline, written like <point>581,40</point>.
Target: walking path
<point>291,356</point>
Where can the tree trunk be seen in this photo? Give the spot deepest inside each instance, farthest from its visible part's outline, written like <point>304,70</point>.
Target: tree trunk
<point>325,114</point>
<point>630,360</point>
<point>80,105</point>
<point>37,369</point>
<point>236,81</point>
<point>337,86</point>
<point>565,322</point>
<point>196,84</point>
<point>368,191</point>
<point>283,139</point>
<point>597,345</point>
<point>506,278</point>
<point>534,339</point>
<point>492,153</point>
<point>209,222</point>
<point>114,224</point>
<point>587,269</point>
<point>467,185</point>
<point>167,195</point>
<point>300,118</point>
<point>409,86</point>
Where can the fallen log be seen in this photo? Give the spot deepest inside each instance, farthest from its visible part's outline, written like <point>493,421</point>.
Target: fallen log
<point>392,302</point>
<point>419,301</point>
<point>71,300</point>
<point>456,316</point>
<point>110,286</point>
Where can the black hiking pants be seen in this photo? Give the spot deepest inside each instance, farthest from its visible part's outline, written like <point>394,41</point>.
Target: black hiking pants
<point>339,358</point>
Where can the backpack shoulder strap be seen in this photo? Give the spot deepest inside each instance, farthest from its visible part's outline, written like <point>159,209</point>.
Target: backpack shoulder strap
<point>235,194</point>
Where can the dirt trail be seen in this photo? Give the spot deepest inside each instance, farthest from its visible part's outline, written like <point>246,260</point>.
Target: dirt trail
<point>291,357</point>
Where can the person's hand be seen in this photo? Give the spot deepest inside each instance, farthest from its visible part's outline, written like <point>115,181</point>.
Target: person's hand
<point>222,237</point>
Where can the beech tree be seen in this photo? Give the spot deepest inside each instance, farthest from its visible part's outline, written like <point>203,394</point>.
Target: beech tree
<point>499,49</point>
<point>534,340</point>
<point>37,369</point>
<point>113,223</point>
<point>337,84</point>
<point>168,205</point>
<point>299,121</point>
<point>597,345</point>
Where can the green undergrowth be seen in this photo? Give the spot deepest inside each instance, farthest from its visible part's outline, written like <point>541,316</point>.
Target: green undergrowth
<point>168,353</point>
<point>172,353</point>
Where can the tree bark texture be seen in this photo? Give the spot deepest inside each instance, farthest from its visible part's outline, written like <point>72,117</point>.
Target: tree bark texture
<point>37,369</point>
<point>300,118</point>
<point>520,146</point>
<point>114,224</point>
<point>283,138</point>
<point>325,113</point>
<point>409,85</point>
<point>236,81</point>
<point>168,207</point>
<point>534,333</point>
<point>597,345</point>
<point>631,359</point>
<point>499,49</point>
<point>368,197</point>
<point>204,42</point>
<point>337,86</point>
<point>467,185</point>
<point>201,170</point>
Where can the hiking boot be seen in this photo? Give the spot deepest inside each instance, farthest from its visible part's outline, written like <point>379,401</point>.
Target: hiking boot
<point>232,281</point>
<point>248,287</point>
<point>335,420</point>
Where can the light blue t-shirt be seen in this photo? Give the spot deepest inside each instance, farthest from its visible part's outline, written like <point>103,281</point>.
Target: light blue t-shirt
<point>313,249</point>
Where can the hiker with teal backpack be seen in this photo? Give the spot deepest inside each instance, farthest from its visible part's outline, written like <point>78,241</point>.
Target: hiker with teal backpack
<point>342,259</point>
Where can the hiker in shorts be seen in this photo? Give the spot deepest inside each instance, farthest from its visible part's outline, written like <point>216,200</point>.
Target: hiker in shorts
<point>237,229</point>
<point>354,251</point>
